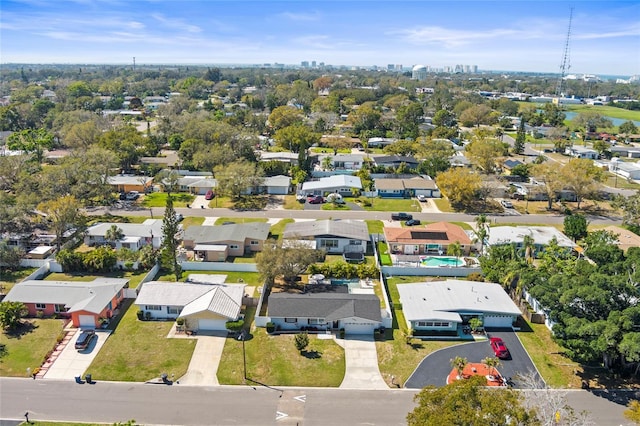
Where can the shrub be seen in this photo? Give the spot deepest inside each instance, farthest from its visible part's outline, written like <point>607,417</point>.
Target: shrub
<point>180,321</point>
<point>147,315</point>
<point>140,315</point>
<point>271,327</point>
<point>39,314</point>
<point>301,341</point>
<point>235,326</point>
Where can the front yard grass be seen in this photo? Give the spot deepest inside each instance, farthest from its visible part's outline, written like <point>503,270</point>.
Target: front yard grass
<point>138,351</point>
<point>443,205</point>
<point>375,226</point>
<point>27,347</point>
<point>278,229</point>
<point>290,203</point>
<point>275,361</point>
<point>159,199</point>
<point>192,221</point>
<point>134,277</point>
<point>392,205</point>
<point>335,206</point>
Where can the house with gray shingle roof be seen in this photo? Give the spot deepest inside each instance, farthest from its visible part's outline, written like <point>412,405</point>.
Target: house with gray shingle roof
<point>333,236</point>
<point>355,313</point>
<point>239,238</point>
<point>136,235</point>
<point>84,302</point>
<point>340,184</point>
<point>203,306</point>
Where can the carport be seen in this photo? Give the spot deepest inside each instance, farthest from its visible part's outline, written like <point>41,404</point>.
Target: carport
<point>434,368</point>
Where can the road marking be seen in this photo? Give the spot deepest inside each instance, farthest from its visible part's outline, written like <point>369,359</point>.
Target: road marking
<point>280,415</point>
<point>301,398</point>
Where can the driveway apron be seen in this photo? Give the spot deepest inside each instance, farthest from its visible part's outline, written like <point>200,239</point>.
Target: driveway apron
<point>72,363</point>
<point>361,358</point>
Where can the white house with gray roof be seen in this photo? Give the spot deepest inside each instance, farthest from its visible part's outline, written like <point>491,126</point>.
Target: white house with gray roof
<point>136,235</point>
<point>341,184</point>
<point>356,313</point>
<point>333,236</point>
<point>203,306</point>
<point>542,237</point>
<point>442,306</point>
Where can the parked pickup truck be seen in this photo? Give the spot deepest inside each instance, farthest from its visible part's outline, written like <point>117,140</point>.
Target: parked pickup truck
<point>401,216</point>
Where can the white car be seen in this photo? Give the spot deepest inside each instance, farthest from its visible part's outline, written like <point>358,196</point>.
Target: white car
<point>422,198</point>
<point>506,204</point>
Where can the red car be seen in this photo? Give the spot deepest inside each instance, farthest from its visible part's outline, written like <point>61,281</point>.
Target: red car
<point>316,200</point>
<point>499,348</point>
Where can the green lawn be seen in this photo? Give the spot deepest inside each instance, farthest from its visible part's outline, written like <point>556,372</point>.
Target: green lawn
<point>278,229</point>
<point>8,278</point>
<point>290,203</point>
<point>222,220</point>
<point>623,114</point>
<point>28,348</point>
<point>139,350</point>
<point>319,150</point>
<point>249,278</point>
<point>375,226</point>
<point>191,221</point>
<point>335,206</point>
<point>109,218</point>
<point>275,361</point>
<point>392,205</point>
<point>383,252</point>
<point>134,277</point>
<point>443,205</point>
<point>159,199</point>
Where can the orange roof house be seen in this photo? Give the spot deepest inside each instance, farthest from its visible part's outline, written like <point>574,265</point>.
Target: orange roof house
<point>433,238</point>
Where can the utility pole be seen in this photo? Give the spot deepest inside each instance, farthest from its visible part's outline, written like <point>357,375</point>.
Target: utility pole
<point>564,67</point>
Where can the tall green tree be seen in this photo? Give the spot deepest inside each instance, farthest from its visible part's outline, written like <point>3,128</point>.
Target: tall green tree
<point>521,138</point>
<point>63,214</point>
<point>468,402</point>
<point>31,141</point>
<point>11,314</point>
<point>575,226</point>
<point>238,178</point>
<point>170,242</point>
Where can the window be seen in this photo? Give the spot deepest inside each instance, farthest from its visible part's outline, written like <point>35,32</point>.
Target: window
<point>433,324</point>
<point>316,321</point>
<point>355,242</point>
<point>153,308</point>
<point>59,308</point>
<point>254,243</point>
<point>233,246</point>
<point>329,243</point>
<point>173,310</point>
<point>291,320</point>
<point>41,306</point>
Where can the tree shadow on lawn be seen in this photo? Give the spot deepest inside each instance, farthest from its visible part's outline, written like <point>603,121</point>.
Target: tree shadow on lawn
<point>25,327</point>
<point>250,203</point>
<point>312,354</point>
<point>124,307</point>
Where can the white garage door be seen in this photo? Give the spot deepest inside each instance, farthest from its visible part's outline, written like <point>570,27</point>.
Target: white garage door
<point>355,328</point>
<point>211,324</point>
<point>498,320</point>
<point>87,321</point>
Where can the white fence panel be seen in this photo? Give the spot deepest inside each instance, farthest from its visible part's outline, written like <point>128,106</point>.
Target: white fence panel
<point>219,266</point>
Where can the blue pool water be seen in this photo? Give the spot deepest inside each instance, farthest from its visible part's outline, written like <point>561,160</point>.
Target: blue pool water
<point>440,261</point>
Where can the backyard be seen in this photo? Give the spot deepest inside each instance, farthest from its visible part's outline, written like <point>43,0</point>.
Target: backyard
<point>133,277</point>
<point>249,278</point>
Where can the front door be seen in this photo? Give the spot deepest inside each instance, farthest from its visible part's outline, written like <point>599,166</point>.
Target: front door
<point>336,324</point>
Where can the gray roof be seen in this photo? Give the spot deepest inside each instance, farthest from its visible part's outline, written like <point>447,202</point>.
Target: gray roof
<point>147,229</point>
<point>333,182</point>
<point>330,306</point>
<point>382,159</point>
<point>279,180</point>
<point>353,229</point>
<point>91,296</point>
<point>445,300</point>
<point>129,180</point>
<point>203,234</point>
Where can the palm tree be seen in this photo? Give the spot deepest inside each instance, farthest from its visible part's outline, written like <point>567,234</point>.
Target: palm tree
<point>529,244</point>
<point>492,363</point>
<point>113,234</point>
<point>482,230</point>
<point>327,163</point>
<point>455,249</point>
<point>459,363</point>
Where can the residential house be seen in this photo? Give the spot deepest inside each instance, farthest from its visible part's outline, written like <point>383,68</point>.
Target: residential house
<point>84,302</point>
<point>275,185</point>
<point>340,184</point>
<point>342,162</point>
<point>625,151</point>
<point>626,170</point>
<point>126,183</point>
<point>444,306</point>
<point>355,313</point>
<point>626,238</point>
<point>333,236</point>
<point>136,235</point>
<point>406,188</point>
<point>281,156</point>
<point>198,185</point>
<point>395,161</point>
<point>380,142</point>
<point>582,152</point>
<point>542,237</point>
<point>509,164</point>
<point>203,306</point>
<point>434,238</point>
<point>238,238</point>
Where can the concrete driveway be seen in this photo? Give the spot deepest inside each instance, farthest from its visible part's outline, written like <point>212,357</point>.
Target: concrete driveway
<point>71,362</point>
<point>203,368</point>
<point>361,360</point>
<point>433,369</point>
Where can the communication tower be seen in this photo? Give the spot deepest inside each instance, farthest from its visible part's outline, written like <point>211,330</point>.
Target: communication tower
<point>564,67</point>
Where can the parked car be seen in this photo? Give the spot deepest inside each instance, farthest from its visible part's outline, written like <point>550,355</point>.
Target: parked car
<point>499,348</point>
<point>335,198</point>
<point>85,339</point>
<point>179,217</point>
<point>132,195</point>
<point>422,198</point>
<point>506,204</point>
<point>401,216</point>
<point>412,222</point>
<point>316,200</point>
<point>209,195</point>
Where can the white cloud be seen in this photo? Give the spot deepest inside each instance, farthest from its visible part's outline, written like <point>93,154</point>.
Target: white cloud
<point>454,38</point>
<point>176,23</point>
<point>293,16</point>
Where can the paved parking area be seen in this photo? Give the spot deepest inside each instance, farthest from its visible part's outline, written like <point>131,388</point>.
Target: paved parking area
<point>71,362</point>
<point>433,369</point>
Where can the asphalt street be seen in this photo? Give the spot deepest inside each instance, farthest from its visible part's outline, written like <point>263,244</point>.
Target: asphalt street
<point>108,402</point>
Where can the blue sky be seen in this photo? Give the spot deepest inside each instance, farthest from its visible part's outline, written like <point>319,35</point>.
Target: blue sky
<point>514,35</point>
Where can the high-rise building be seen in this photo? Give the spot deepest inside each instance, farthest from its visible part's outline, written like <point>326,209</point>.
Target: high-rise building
<point>304,64</point>
<point>419,72</point>
<point>313,64</point>
<point>390,67</point>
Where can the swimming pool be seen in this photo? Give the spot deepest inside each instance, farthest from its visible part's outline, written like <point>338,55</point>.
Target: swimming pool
<point>441,261</point>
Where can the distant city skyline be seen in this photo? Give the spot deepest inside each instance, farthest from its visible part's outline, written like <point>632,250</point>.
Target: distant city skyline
<point>509,36</point>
